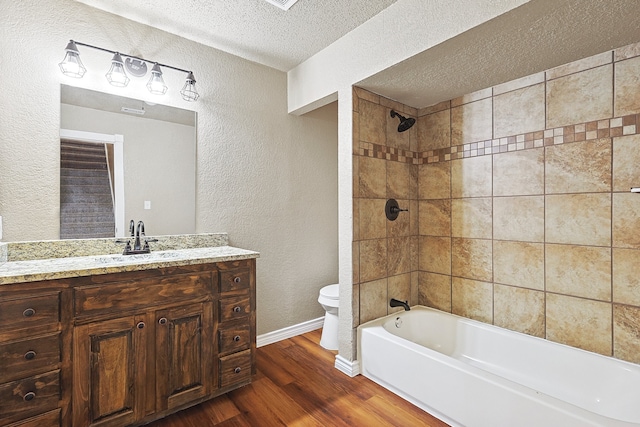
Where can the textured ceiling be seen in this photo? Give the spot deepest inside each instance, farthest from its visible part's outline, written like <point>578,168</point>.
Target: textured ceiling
<point>537,36</point>
<point>252,29</point>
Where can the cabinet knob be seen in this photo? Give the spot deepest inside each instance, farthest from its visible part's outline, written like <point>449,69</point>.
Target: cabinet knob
<point>140,325</point>
<point>163,321</point>
<point>29,396</point>
<point>236,338</point>
<point>29,355</point>
<point>237,370</point>
<point>237,309</point>
<point>237,279</point>
<point>28,312</point>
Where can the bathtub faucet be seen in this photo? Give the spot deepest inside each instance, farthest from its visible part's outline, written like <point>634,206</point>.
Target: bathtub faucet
<point>397,303</point>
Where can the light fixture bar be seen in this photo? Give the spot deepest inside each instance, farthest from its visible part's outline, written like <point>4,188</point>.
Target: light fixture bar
<point>72,66</point>
<point>113,52</point>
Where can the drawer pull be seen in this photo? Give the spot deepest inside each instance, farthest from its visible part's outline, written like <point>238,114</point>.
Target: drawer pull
<point>162,321</point>
<point>140,325</point>
<point>28,312</point>
<point>237,370</point>
<point>30,355</point>
<point>236,338</point>
<point>237,279</point>
<point>29,396</point>
<point>237,309</point>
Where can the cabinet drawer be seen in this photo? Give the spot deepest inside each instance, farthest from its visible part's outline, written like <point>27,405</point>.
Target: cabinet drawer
<point>234,339</point>
<point>234,280</point>
<point>21,358</point>
<point>235,368</point>
<point>29,397</point>
<point>234,308</point>
<point>140,293</point>
<point>36,310</point>
<point>50,419</point>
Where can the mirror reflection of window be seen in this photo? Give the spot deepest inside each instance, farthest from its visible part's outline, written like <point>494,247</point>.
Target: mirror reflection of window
<point>158,165</point>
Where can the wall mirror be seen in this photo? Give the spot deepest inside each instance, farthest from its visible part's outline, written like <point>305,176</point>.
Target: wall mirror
<point>124,159</point>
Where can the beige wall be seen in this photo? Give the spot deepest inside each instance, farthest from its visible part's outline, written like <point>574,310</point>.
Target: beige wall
<point>525,216</point>
<point>267,178</point>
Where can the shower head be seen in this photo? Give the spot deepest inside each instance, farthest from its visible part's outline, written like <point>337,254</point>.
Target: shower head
<point>405,123</point>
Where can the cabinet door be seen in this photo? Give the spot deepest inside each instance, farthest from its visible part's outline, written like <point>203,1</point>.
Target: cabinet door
<point>184,346</point>
<point>108,383</point>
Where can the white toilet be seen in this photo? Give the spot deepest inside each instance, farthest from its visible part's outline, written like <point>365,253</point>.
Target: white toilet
<point>329,299</point>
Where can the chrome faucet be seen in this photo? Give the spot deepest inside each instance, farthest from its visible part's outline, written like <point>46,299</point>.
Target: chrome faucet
<point>137,246</point>
<point>139,237</point>
<point>397,303</point>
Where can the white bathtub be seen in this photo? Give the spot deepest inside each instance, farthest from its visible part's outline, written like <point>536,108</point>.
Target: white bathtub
<point>468,373</point>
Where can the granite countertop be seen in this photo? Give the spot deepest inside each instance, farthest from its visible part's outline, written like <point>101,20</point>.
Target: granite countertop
<point>32,270</point>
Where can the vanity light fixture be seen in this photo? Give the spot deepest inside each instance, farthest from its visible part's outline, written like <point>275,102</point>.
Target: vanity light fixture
<point>72,66</point>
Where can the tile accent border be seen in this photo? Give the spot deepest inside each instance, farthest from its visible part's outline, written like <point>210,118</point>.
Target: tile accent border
<point>604,128</point>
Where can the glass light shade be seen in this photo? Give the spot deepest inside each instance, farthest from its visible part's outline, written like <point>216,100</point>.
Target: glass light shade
<point>156,82</point>
<point>71,65</point>
<point>189,92</point>
<point>116,74</point>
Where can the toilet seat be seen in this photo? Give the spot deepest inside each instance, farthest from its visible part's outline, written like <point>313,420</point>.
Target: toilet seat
<point>330,292</point>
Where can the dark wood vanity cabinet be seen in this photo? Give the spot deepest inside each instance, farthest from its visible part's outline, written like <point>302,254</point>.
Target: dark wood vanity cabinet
<point>126,348</point>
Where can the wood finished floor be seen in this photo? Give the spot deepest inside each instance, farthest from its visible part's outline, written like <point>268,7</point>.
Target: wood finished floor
<point>297,385</point>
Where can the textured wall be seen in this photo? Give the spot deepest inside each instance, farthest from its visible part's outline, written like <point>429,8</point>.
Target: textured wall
<point>267,178</point>
<point>525,216</point>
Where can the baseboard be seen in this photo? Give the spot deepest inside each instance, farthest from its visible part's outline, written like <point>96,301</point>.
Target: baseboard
<point>351,368</point>
<point>289,332</point>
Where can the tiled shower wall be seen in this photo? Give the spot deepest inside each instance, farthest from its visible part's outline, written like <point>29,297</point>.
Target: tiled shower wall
<point>525,219</point>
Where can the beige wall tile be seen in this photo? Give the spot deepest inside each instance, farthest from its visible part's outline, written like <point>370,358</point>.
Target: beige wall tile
<point>627,87</point>
<point>626,333</point>
<point>626,220</point>
<point>415,253</point>
<point>579,167</point>
<point>580,65</point>
<point>373,177</point>
<point>435,254</point>
<point>435,217</point>
<point>581,97</point>
<point>399,287</point>
<point>519,264</point>
<point>471,177</point>
<point>414,217</point>
<point>519,310</point>
<point>519,173</point>
<point>372,122</point>
<point>373,300</point>
<point>519,111</point>
<point>415,292</point>
<point>373,223</point>
<point>579,323</point>
<point>355,261</point>
<point>434,181</point>
<point>398,256</point>
<point>394,138</point>
<point>402,225</point>
<point>434,131</point>
<point>625,52</point>
<point>434,108</point>
<point>355,131</point>
<point>471,122</point>
<point>373,259</point>
<point>413,181</point>
<point>471,218</point>
<point>578,219</point>
<point>626,158</point>
<point>355,175</point>
<point>516,84</point>
<point>582,271</point>
<point>472,299</point>
<point>472,259</point>
<point>356,219</point>
<point>626,280</point>
<point>473,96</point>
<point>399,180</point>
<point>435,291</point>
<point>366,95</point>
<point>518,218</point>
